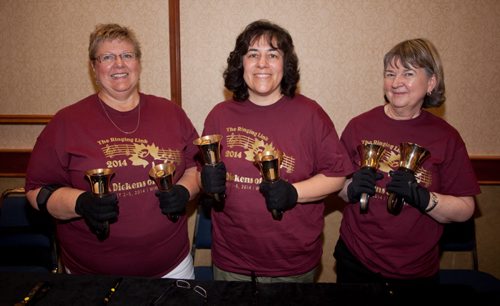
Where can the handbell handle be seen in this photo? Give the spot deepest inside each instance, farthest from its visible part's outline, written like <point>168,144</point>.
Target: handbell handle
<point>395,204</point>
<point>363,203</point>
<point>173,217</point>
<point>100,181</point>
<point>277,215</point>
<point>219,197</point>
<point>365,198</point>
<point>269,163</point>
<point>103,233</point>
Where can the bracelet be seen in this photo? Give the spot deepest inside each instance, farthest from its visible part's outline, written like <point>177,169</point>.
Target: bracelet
<point>434,203</point>
<point>44,195</point>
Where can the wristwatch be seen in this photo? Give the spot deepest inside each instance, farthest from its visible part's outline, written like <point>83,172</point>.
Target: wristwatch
<point>43,196</point>
<point>434,203</point>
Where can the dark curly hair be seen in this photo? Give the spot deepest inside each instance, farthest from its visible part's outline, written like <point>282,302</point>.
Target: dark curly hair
<point>420,53</point>
<point>233,75</point>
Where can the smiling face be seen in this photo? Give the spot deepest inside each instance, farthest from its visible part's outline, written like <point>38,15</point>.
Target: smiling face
<point>263,71</point>
<point>118,79</point>
<point>405,88</point>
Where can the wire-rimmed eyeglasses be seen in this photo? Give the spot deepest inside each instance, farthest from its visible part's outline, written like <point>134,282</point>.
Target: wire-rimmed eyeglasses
<point>109,58</point>
<point>183,284</point>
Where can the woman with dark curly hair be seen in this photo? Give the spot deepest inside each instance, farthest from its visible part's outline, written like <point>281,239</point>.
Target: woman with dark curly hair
<point>270,231</point>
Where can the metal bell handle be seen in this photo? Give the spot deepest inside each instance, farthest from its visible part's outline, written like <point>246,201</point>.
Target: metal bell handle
<point>277,215</point>
<point>363,203</point>
<point>395,204</point>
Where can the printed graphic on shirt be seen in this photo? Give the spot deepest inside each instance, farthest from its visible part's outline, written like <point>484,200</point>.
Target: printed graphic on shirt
<point>137,152</point>
<point>390,161</point>
<point>244,144</point>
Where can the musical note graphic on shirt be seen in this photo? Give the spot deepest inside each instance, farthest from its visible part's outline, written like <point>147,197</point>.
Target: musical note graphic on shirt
<point>253,145</point>
<point>141,154</point>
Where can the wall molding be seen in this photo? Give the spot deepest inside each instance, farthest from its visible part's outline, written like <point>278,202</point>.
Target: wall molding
<point>175,51</point>
<point>13,162</point>
<point>487,169</point>
<point>25,119</point>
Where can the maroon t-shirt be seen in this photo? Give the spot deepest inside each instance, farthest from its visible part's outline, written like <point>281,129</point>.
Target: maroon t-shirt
<point>245,236</point>
<point>143,242</point>
<point>406,245</point>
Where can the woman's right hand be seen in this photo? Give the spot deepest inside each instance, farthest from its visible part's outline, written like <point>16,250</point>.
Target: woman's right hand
<point>363,181</point>
<point>97,210</point>
<point>213,178</point>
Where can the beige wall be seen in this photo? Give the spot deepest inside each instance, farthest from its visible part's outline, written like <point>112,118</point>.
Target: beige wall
<point>340,45</point>
<point>44,55</point>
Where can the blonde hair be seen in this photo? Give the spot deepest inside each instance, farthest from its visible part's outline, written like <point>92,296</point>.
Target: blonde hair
<point>112,31</point>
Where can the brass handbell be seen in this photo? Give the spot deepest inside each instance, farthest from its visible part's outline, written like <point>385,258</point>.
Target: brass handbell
<point>209,147</point>
<point>162,175</point>
<point>412,156</point>
<point>269,163</point>
<point>100,184</point>
<point>370,156</point>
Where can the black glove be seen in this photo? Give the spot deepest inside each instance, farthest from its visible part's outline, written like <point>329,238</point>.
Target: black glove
<point>404,184</point>
<point>208,202</point>
<point>173,201</point>
<point>213,178</point>
<point>96,210</point>
<point>363,181</point>
<point>280,195</point>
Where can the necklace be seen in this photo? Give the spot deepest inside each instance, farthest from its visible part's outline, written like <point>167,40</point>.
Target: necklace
<point>116,126</point>
<point>388,111</point>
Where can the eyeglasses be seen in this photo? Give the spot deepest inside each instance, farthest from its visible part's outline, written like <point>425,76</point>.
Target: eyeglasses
<point>111,58</point>
<point>186,285</point>
<point>180,283</point>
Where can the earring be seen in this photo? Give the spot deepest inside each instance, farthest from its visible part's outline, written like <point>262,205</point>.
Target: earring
<point>429,93</point>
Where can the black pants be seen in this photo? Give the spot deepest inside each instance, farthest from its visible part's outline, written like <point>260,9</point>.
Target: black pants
<point>350,270</point>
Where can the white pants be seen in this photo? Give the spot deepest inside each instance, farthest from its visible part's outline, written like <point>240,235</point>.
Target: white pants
<point>185,270</point>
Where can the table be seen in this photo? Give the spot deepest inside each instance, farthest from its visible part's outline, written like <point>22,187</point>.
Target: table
<point>91,290</point>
